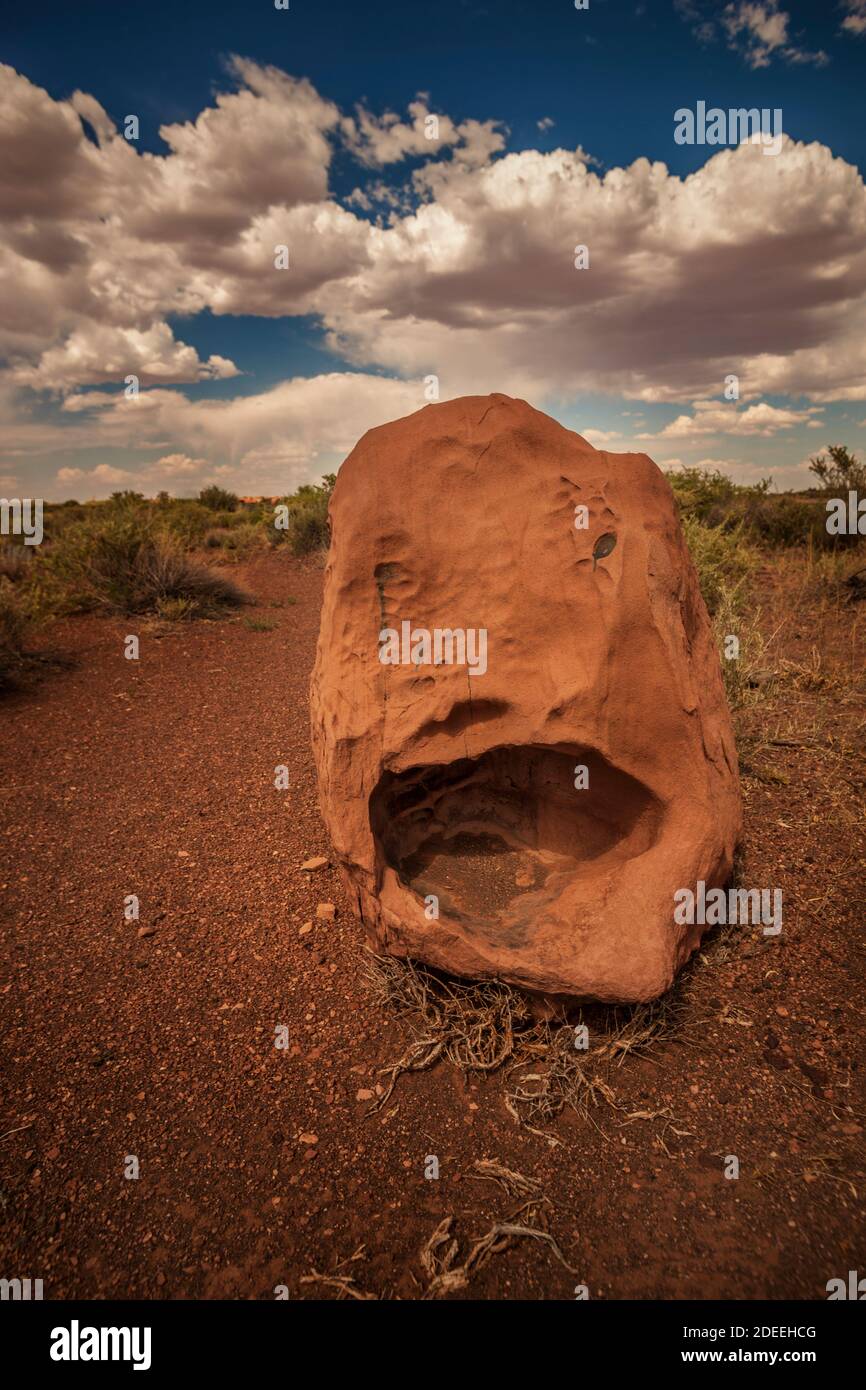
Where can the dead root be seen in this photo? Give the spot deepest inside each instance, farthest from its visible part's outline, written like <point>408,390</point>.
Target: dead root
<point>486,1026</point>
<point>343,1283</point>
<point>529,1222</point>
<point>473,1025</point>
<point>550,1075</point>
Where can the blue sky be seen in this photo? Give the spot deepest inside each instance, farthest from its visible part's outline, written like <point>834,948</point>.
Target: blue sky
<point>411,257</point>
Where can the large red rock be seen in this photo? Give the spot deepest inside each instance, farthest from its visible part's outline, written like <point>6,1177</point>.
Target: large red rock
<point>451,786</point>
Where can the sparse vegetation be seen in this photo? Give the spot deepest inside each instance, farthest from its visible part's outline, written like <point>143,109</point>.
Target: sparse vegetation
<point>839,470</point>
<point>134,555</point>
<point>160,556</point>
<point>120,563</point>
<point>763,517</point>
<point>217,499</point>
<point>15,562</point>
<point>237,542</point>
<point>490,1027</point>
<point>731,530</point>
<point>307,515</point>
<point>13,627</point>
<point>724,559</point>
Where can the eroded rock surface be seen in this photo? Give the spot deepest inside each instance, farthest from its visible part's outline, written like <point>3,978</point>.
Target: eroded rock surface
<point>518,717</point>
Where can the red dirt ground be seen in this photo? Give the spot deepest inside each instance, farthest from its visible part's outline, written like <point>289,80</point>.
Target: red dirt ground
<point>156,778</point>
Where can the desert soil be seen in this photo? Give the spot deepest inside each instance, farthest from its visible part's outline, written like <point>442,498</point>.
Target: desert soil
<point>258,1166</point>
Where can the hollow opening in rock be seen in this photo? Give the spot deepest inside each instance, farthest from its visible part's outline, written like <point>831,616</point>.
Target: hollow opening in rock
<point>496,837</point>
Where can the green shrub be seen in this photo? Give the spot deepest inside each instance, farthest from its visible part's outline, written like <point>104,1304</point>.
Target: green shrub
<point>230,520</point>
<point>307,528</point>
<point>185,521</point>
<point>698,491</point>
<point>217,499</point>
<point>57,519</point>
<point>839,471</point>
<point>15,562</point>
<point>237,541</point>
<point>91,564</point>
<point>723,559</point>
<point>126,499</point>
<point>770,519</point>
<point>13,627</point>
<point>121,564</point>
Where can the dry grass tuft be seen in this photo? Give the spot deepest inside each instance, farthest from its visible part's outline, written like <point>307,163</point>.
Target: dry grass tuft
<point>646,1026</point>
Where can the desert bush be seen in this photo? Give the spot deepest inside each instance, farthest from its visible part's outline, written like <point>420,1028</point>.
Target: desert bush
<point>238,542</point>
<point>184,521</point>
<point>90,565</point>
<point>723,558</point>
<point>13,627</point>
<point>765,518</point>
<point>839,471</point>
<point>164,574</point>
<point>699,491</point>
<point>122,501</point>
<point>260,512</point>
<point>307,528</point>
<point>57,519</point>
<point>744,677</point>
<point>122,564</point>
<point>15,561</point>
<point>777,519</point>
<point>217,499</point>
<point>231,520</point>
<point>176,610</point>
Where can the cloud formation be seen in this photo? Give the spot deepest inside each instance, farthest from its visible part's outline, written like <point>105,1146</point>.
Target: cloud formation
<point>758,30</point>
<point>721,417</point>
<point>855,18</point>
<point>468,274</point>
<point>297,427</point>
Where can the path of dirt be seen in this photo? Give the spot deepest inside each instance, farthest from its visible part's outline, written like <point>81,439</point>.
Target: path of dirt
<point>156,778</point>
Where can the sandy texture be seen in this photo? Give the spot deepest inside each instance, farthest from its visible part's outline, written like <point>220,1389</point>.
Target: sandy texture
<point>156,777</point>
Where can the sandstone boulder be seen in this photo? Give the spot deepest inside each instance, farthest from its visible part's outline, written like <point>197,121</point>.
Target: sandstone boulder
<point>518,720</point>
